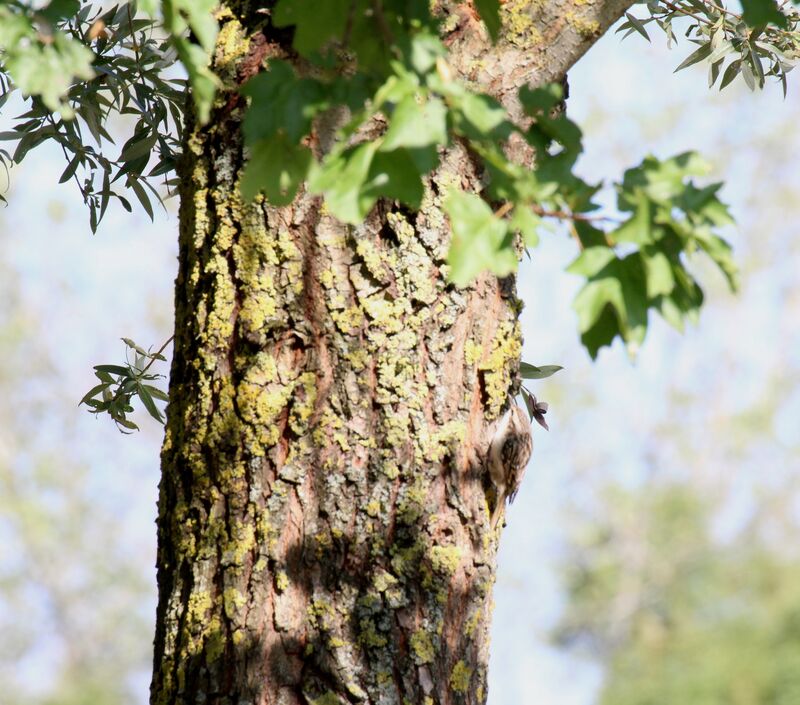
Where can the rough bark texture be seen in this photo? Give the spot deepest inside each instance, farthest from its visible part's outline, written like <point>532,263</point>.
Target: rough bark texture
<point>324,511</point>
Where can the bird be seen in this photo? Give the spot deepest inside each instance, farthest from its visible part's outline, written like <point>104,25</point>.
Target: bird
<point>510,450</point>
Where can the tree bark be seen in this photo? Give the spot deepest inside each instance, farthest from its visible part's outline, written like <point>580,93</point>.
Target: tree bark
<point>324,506</point>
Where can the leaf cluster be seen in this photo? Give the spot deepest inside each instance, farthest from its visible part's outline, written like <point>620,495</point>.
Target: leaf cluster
<point>762,41</point>
<point>80,67</point>
<point>642,263</point>
<point>398,76</point>
<point>384,62</point>
<point>119,384</point>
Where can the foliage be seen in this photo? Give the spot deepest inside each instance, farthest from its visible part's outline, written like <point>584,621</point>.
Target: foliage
<point>762,41</point>
<point>528,371</point>
<point>386,62</point>
<point>408,81</point>
<point>676,617</point>
<point>81,66</point>
<point>120,383</point>
<point>179,17</point>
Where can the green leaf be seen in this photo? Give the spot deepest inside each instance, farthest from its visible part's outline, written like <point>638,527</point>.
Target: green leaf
<point>315,23</point>
<point>276,167</point>
<point>59,10</point>
<point>142,196</point>
<point>482,117</point>
<point>156,393</point>
<point>593,299</point>
<point>149,7</point>
<point>730,73</point>
<point>529,371</point>
<point>761,12</point>
<point>341,179</point>
<point>619,287</point>
<point>722,255</point>
<point>197,15</point>
<point>638,25</point>
<point>747,75</point>
<point>702,53</point>
<point>602,332</point>
<point>416,123</point>
<point>480,240</point>
<point>541,100</point>
<point>126,423</point>
<point>104,376</point>
<point>638,228</point>
<point>592,261</point>
<point>670,312</point>
<point>394,175</point>
<point>43,69</point>
<point>71,169</point>
<point>149,404</point>
<point>141,144</point>
<point>113,370</point>
<point>94,391</point>
<point>425,48</point>
<point>527,223</point>
<point>660,280</point>
<point>281,101</point>
<point>490,14</point>
<point>661,181</point>
<point>203,81</point>
<point>562,130</point>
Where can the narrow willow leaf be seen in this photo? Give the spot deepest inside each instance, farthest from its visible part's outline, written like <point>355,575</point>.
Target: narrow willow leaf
<point>141,194</point>
<point>149,404</point>
<point>698,55</point>
<point>730,73</point>
<point>156,393</point>
<point>113,370</point>
<point>529,371</point>
<point>94,391</point>
<point>71,169</point>
<point>638,25</point>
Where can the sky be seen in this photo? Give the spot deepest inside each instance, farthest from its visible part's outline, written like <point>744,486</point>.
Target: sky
<point>613,419</point>
<point>664,413</point>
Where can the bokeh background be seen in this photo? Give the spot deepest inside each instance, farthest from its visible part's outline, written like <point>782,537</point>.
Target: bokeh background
<point>651,557</point>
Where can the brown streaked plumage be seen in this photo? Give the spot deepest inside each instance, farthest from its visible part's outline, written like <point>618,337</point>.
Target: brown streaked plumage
<point>509,453</point>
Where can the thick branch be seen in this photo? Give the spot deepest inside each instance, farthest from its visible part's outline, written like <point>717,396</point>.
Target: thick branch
<point>539,42</point>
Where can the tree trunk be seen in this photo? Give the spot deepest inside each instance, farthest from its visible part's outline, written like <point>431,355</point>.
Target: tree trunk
<point>324,506</point>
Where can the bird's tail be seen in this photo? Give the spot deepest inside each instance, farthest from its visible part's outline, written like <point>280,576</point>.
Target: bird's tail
<point>498,512</point>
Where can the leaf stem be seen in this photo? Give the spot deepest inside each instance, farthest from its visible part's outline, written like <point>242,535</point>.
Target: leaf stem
<point>157,353</point>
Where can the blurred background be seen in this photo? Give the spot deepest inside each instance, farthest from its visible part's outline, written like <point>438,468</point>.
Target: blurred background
<point>651,557</point>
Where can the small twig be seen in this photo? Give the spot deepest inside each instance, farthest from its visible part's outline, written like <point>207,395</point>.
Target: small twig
<point>564,215</point>
<point>683,11</point>
<point>504,209</point>
<point>574,232</point>
<point>155,355</point>
<point>721,9</point>
<point>66,156</point>
<point>383,26</point>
